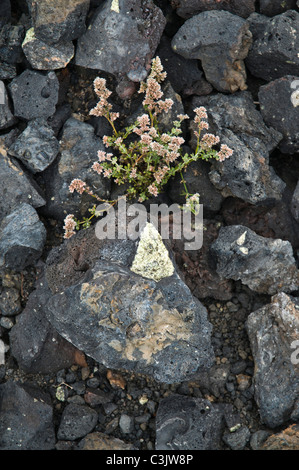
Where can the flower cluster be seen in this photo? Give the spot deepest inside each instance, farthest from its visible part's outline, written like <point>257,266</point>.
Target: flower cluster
<point>141,155</point>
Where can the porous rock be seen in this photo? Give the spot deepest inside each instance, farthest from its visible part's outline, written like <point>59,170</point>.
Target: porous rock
<point>189,8</point>
<point>43,56</point>
<point>152,327</point>
<point>36,146</point>
<point>246,174</point>
<point>263,264</point>
<point>34,94</point>
<point>273,332</point>
<point>279,105</point>
<point>122,38</point>
<point>221,41</point>
<point>274,51</point>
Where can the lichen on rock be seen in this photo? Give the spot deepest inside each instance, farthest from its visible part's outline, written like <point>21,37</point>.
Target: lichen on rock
<point>152,258</point>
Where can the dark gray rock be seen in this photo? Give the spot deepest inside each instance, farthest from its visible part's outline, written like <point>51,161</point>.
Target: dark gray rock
<point>34,343</point>
<point>76,422</point>
<point>189,8</point>
<point>275,7</point>
<point>188,423</point>
<point>295,203</point>
<point>26,418</point>
<point>279,105</point>
<point>34,94</point>
<point>238,439</point>
<point>36,147</point>
<point>43,56</point>
<point>22,238</point>
<point>274,52</point>
<point>7,119</point>
<point>263,264</point>
<point>7,71</point>
<point>78,151</point>
<point>122,38</point>
<point>60,20</point>
<point>221,41</point>
<point>183,74</point>
<point>152,327</point>
<point>10,302</point>
<point>16,186</point>
<point>272,330</point>
<point>11,38</point>
<point>246,174</point>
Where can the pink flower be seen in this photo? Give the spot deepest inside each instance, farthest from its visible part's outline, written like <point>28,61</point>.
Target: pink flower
<point>133,173</point>
<point>108,172</point>
<point>152,189</point>
<point>201,113</point>
<point>69,226</point>
<point>225,152</point>
<point>77,185</point>
<point>97,167</point>
<point>208,140</point>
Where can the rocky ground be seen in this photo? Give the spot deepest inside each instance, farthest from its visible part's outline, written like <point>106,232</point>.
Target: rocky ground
<point>92,354</point>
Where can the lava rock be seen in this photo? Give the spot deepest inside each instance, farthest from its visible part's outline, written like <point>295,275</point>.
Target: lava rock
<point>183,74</point>
<point>122,38</point>
<point>35,344</point>
<point>43,56</point>
<point>135,336</point>
<point>221,41</point>
<point>76,422</point>
<point>22,238</point>
<point>246,174</point>
<point>279,105</point>
<point>238,439</point>
<point>16,186</point>
<point>59,21</point>
<point>287,439</point>
<point>264,265</point>
<point>11,38</point>
<point>7,119</point>
<point>36,147</point>
<point>78,151</point>
<point>271,330</point>
<point>275,7</point>
<point>274,52</point>
<point>295,203</point>
<point>7,71</point>
<point>188,423</point>
<point>34,94</point>
<point>10,302</point>
<point>189,8</point>
<point>26,418</point>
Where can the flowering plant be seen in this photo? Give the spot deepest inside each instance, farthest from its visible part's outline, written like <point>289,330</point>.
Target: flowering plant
<point>141,155</point>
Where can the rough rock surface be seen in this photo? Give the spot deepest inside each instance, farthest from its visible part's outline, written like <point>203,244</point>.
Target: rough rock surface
<point>22,238</point>
<point>295,203</point>
<point>16,186</point>
<point>264,265</point>
<point>188,8</point>
<point>274,52</point>
<point>36,146</point>
<point>34,94</point>
<point>122,38</point>
<point>275,7</point>
<point>246,174</point>
<point>152,327</point>
<point>273,330</point>
<point>25,418</point>
<point>288,439</point>
<point>221,41</point>
<point>279,104</point>
<point>43,56</point>
<point>60,20</point>
<point>187,423</point>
